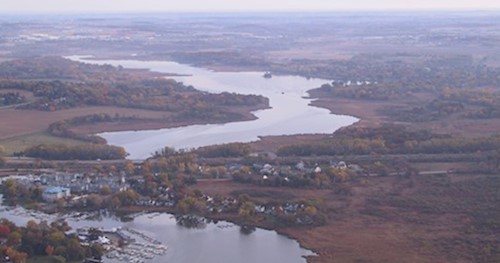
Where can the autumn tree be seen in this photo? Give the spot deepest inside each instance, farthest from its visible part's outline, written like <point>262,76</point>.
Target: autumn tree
<point>129,167</point>
<point>246,210</point>
<point>4,230</point>
<point>95,201</point>
<point>127,197</point>
<point>190,205</point>
<point>16,256</point>
<point>105,190</point>
<point>49,250</point>
<point>14,239</point>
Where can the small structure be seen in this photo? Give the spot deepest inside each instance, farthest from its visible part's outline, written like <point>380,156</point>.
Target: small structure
<point>340,165</point>
<point>53,193</point>
<point>267,169</point>
<point>301,166</point>
<point>103,240</point>
<point>267,75</point>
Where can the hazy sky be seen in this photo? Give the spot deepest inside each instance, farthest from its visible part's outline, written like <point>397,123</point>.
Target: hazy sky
<point>85,6</point>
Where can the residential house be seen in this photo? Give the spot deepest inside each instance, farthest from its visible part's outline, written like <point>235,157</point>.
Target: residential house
<point>53,193</point>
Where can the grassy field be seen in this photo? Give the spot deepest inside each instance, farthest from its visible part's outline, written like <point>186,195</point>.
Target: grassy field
<point>19,143</point>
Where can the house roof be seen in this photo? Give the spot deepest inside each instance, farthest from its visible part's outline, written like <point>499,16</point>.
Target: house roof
<point>56,190</point>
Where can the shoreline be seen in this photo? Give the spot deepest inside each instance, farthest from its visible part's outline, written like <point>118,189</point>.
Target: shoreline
<point>231,218</point>
<point>144,124</point>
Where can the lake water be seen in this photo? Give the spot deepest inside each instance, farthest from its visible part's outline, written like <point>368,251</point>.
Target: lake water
<point>290,112</point>
<point>214,243</point>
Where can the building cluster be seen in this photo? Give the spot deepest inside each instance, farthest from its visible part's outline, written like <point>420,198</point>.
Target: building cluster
<point>267,170</point>
<point>59,185</point>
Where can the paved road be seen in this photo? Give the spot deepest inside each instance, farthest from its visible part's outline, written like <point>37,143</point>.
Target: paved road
<point>13,106</point>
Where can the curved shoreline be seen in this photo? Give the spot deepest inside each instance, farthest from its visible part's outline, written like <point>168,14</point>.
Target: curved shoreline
<point>234,219</point>
<point>135,211</point>
<point>290,110</point>
<point>162,123</point>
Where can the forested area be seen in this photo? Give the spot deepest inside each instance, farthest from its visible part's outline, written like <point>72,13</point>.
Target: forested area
<point>213,151</point>
<point>454,84</point>
<point>398,75</point>
<point>77,152</point>
<point>390,139</point>
<point>224,150</point>
<point>43,239</point>
<point>59,83</point>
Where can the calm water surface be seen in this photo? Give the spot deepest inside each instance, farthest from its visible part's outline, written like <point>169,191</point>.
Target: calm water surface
<point>290,112</point>
<point>214,243</point>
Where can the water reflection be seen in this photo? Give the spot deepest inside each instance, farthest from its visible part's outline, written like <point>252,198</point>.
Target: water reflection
<point>191,221</point>
<point>247,230</point>
<point>194,239</point>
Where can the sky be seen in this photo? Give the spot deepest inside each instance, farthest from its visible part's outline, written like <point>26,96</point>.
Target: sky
<point>120,6</point>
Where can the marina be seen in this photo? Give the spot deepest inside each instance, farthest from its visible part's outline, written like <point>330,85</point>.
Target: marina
<point>158,238</point>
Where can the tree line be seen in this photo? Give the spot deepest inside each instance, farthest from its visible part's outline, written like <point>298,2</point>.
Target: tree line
<point>11,98</point>
<point>75,152</point>
<point>224,150</point>
<point>390,139</point>
<point>43,239</point>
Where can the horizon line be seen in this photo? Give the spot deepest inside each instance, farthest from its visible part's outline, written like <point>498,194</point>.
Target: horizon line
<point>388,10</point>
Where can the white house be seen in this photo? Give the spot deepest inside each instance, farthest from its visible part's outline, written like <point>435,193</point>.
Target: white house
<point>53,193</point>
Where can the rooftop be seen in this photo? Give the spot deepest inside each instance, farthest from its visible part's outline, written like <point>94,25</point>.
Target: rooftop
<point>56,189</point>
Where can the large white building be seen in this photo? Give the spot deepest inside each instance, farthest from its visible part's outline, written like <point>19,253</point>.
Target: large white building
<point>53,193</point>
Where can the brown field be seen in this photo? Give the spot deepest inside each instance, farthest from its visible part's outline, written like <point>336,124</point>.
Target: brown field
<point>24,128</point>
<point>369,113</point>
<point>148,120</point>
<point>376,219</point>
<point>366,111</point>
<point>22,122</point>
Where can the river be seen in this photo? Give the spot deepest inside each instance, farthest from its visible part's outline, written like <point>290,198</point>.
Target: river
<point>290,112</point>
<point>221,242</point>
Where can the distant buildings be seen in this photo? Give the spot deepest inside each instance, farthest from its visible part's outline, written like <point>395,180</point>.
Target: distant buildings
<point>61,185</point>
